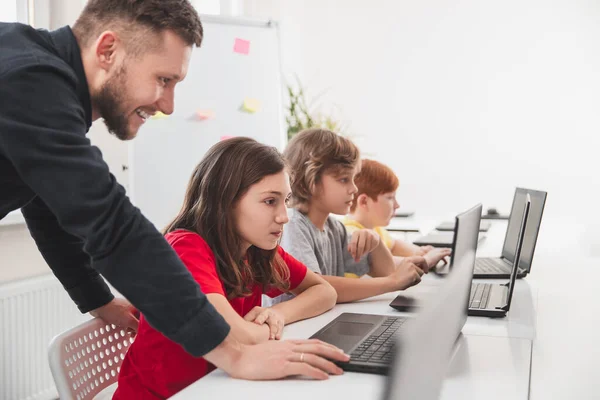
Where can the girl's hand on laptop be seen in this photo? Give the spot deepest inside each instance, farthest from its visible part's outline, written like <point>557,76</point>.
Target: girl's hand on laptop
<point>435,256</point>
<point>275,321</point>
<point>363,242</point>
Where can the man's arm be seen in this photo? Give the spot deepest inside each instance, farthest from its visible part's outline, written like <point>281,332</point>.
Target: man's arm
<point>72,266</point>
<point>43,136</point>
<point>65,256</point>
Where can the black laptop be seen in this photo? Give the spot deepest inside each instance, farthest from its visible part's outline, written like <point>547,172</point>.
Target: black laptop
<point>500,267</point>
<point>486,299</point>
<point>370,339</point>
<point>493,299</point>
<point>484,226</point>
<point>465,242</point>
<point>426,343</point>
<point>441,239</point>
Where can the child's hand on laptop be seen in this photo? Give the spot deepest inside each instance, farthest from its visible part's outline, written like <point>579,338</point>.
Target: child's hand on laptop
<point>435,256</point>
<point>407,274</point>
<point>363,242</point>
<point>424,250</point>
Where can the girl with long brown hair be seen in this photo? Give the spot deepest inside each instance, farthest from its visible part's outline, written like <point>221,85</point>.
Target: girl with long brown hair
<point>227,234</point>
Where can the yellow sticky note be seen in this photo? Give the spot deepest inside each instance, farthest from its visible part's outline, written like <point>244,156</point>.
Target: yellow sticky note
<point>251,105</point>
<point>203,115</point>
<point>159,115</point>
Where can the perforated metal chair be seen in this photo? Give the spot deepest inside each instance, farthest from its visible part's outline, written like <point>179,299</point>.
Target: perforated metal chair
<point>86,360</point>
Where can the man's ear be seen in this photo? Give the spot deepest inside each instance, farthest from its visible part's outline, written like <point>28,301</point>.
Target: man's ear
<point>106,49</point>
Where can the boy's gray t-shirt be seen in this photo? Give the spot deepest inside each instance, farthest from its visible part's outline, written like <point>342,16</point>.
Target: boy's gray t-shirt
<point>324,252</point>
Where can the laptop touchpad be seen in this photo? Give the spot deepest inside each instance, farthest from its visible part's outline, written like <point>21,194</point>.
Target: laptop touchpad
<point>346,335</point>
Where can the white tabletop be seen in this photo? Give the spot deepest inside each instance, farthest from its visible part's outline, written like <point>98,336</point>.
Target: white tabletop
<point>483,367</point>
<point>546,347</point>
<point>566,350</point>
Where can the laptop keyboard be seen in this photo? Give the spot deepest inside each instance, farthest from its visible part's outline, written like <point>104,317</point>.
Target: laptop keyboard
<point>480,294</point>
<point>491,265</point>
<point>379,346</point>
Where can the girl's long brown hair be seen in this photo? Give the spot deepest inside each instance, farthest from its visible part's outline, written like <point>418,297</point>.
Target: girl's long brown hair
<point>223,176</point>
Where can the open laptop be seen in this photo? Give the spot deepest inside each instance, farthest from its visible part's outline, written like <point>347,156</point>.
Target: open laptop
<point>402,225</point>
<point>484,226</point>
<point>493,299</point>
<point>465,242</point>
<point>500,267</point>
<point>371,339</point>
<point>486,299</point>
<point>441,239</point>
<point>426,345</point>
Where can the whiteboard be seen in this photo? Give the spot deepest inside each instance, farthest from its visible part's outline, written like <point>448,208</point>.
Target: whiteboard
<point>219,79</point>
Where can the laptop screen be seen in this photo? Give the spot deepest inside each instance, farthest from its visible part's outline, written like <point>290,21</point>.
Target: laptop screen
<point>520,240</point>
<point>538,200</point>
<point>424,347</point>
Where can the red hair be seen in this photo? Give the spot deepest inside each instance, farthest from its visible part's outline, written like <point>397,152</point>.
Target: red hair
<point>374,179</point>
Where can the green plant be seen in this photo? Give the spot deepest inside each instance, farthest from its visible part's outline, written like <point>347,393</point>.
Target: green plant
<point>300,116</point>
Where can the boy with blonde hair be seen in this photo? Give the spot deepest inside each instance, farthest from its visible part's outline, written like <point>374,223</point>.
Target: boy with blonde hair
<point>323,166</point>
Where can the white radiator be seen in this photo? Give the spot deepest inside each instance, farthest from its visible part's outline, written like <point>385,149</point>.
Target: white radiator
<point>32,312</point>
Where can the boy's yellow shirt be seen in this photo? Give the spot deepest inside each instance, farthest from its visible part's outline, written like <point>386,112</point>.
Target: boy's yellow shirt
<point>352,225</point>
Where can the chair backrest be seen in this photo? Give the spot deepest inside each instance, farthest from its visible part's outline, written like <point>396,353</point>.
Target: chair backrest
<point>87,358</point>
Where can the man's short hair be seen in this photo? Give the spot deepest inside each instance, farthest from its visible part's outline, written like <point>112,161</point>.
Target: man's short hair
<point>139,22</point>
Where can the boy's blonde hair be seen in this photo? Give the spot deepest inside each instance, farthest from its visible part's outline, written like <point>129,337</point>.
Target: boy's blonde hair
<point>374,179</point>
<point>310,154</point>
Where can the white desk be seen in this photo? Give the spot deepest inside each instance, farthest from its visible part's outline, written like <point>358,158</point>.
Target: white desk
<point>520,321</point>
<point>483,367</point>
<point>492,362</point>
<point>566,351</point>
<point>557,307</point>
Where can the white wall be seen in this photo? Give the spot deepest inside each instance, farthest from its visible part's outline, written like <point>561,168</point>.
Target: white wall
<point>463,99</point>
<point>8,11</point>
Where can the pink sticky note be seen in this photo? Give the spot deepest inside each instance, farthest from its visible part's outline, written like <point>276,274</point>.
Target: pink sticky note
<point>241,46</point>
<point>203,115</point>
<point>226,137</point>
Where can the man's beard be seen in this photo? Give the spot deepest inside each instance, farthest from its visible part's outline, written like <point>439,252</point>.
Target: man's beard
<point>110,103</point>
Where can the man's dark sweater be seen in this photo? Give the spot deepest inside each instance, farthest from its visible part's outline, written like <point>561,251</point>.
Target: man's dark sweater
<point>79,216</point>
